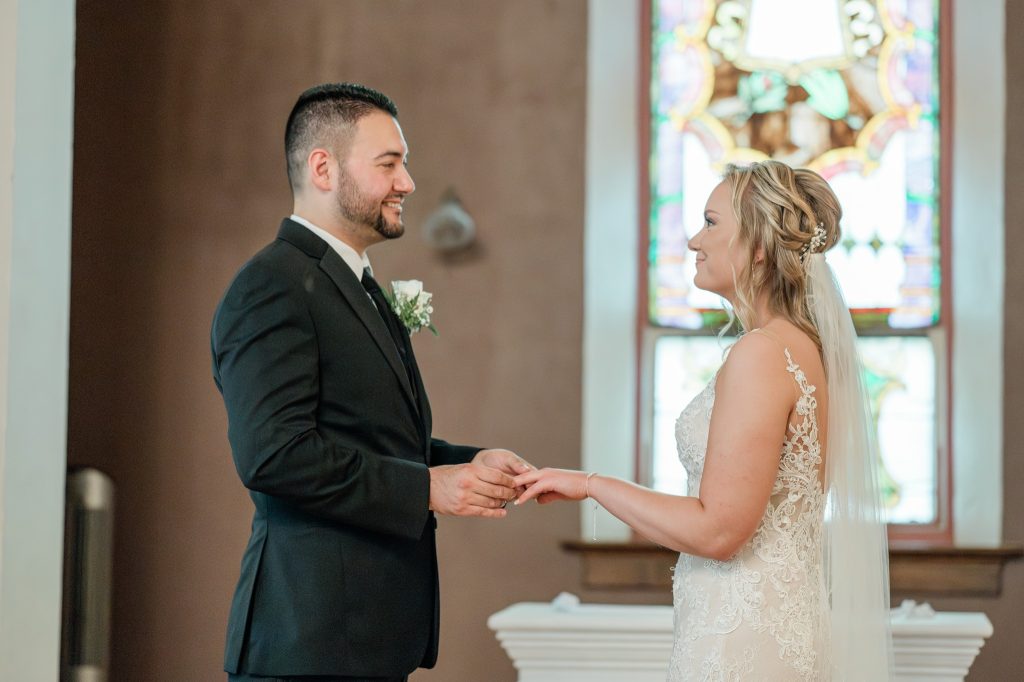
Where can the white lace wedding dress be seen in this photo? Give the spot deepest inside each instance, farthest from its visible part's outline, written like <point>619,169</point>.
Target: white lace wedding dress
<point>760,615</point>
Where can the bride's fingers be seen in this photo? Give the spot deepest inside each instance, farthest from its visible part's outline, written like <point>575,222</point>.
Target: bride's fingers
<point>527,479</point>
<point>525,497</point>
<point>531,492</point>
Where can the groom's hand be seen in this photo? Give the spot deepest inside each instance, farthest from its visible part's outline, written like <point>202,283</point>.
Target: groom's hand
<point>503,460</point>
<point>473,489</point>
<point>507,461</point>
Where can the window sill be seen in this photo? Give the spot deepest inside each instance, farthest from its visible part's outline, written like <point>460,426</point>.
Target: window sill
<point>913,570</point>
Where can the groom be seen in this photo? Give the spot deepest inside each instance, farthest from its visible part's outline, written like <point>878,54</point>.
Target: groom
<point>329,423</point>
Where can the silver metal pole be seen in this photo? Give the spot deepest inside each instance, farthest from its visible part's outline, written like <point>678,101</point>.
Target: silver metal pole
<point>88,576</point>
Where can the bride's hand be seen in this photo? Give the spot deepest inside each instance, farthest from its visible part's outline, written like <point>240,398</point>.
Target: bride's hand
<point>548,485</point>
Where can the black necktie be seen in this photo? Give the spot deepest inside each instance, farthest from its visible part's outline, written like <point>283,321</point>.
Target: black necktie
<point>391,321</point>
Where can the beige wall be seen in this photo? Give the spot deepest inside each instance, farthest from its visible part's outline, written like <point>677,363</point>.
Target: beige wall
<point>179,179</point>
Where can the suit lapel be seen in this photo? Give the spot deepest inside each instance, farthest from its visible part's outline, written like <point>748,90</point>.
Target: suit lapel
<point>350,287</point>
<point>353,291</point>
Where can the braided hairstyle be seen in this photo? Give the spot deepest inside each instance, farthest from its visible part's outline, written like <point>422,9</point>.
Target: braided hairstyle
<point>784,215</point>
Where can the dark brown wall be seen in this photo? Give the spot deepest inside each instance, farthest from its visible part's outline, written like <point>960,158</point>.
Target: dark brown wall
<point>179,178</point>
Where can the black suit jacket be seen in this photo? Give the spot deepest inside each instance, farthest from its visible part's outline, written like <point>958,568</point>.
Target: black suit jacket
<point>339,576</point>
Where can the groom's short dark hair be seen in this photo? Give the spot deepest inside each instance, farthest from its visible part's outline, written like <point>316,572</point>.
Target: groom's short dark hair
<point>323,116</point>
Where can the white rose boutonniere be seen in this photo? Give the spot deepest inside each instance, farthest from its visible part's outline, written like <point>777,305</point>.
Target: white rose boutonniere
<point>412,305</point>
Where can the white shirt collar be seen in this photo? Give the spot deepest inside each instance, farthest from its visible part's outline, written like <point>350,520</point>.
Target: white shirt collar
<point>354,261</point>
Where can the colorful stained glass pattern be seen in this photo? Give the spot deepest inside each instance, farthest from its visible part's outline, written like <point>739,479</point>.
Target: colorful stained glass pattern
<point>899,374</point>
<point>900,379</point>
<point>846,87</point>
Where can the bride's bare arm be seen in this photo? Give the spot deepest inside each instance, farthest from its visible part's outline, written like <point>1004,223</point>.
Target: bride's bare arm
<point>754,396</point>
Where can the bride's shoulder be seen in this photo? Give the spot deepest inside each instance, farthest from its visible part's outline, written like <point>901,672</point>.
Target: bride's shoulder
<point>756,354</point>
<point>794,348</point>
<point>758,342</point>
<point>754,377</point>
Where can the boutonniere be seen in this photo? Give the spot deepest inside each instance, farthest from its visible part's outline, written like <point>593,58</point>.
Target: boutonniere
<point>412,305</point>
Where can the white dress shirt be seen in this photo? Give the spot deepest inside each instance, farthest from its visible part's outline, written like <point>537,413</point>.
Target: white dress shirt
<point>355,261</point>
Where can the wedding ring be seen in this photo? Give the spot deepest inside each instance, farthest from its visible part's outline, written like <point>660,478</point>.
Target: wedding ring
<point>503,503</point>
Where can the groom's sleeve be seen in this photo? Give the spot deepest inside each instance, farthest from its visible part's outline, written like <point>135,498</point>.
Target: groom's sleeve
<point>442,452</point>
<point>266,364</point>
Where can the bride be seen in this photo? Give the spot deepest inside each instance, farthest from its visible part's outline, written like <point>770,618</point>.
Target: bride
<point>783,571</point>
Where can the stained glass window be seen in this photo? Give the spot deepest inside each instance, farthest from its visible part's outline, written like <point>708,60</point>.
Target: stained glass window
<point>850,89</point>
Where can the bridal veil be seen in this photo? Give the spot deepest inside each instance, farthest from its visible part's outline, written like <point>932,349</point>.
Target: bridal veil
<point>856,551</point>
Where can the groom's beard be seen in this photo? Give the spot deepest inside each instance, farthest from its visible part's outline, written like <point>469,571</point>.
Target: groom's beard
<point>360,209</point>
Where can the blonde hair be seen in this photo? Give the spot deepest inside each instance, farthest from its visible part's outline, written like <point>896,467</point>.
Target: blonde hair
<point>778,209</point>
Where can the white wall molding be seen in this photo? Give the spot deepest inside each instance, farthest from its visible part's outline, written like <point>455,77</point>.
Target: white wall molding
<point>978,258</point>
<point>610,250</point>
<point>8,45</point>
<point>37,51</point>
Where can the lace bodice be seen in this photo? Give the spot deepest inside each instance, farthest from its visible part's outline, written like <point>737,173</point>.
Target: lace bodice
<point>759,615</point>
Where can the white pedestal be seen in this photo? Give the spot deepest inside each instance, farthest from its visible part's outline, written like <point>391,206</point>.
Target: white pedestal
<point>936,646</point>
<point>564,641</point>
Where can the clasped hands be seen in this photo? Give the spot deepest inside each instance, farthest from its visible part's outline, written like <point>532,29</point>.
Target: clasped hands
<point>494,478</point>
<point>480,488</point>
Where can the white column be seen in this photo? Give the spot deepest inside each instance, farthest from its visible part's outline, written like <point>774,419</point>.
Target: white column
<point>978,259</point>
<point>610,251</point>
<point>8,19</point>
<point>36,111</point>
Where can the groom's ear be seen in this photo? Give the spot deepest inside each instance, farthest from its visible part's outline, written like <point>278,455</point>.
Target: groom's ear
<point>320,169</point>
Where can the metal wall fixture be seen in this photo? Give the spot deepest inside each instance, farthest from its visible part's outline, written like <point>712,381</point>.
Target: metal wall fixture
<point>449,227</point>
<point>88,576</point>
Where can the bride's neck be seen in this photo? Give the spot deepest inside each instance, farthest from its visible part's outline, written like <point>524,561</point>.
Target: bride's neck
<point>763,314</point>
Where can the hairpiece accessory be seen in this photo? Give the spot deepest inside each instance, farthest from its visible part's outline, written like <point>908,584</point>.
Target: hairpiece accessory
<point>816,242</point>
